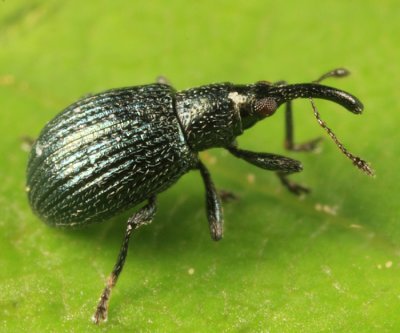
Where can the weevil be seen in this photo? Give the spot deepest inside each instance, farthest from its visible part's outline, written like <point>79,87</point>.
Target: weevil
<point>111,151</point>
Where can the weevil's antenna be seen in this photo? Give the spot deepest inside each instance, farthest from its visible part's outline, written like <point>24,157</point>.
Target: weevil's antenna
<point>337,72</point>
<point>357,161</point>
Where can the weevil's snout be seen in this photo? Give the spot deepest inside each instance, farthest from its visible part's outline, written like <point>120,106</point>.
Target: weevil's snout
<point>285,93</point>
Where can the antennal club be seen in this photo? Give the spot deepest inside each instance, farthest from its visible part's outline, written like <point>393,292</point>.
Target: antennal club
<point>337,73</point>
<point>357,161</point>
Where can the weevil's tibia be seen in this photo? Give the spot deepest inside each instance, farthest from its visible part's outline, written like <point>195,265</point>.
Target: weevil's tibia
<point>213,204</point>
<point>357,161</point>
<point>289,134</point>
<point>142,217</point>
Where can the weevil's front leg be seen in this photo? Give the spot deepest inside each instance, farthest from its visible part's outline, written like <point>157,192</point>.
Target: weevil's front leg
<point>292,186</point>
<point>284,166</point>
<point>213,204</point>
<point>142,217</point>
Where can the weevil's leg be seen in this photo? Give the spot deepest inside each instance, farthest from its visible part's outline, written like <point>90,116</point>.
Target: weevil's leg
<point>293,187</point>
<point>284,166</point>
<point>213,204</point>
<point>27,143</point>
<point>227,196</point>
<point>289,134</point>
<point>163,80</point>
<point>142,217</point>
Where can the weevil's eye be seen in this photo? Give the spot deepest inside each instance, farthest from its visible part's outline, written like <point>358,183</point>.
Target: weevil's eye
<point>265,107</point>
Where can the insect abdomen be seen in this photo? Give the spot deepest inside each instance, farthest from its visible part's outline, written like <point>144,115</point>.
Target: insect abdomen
<point>105,154</point>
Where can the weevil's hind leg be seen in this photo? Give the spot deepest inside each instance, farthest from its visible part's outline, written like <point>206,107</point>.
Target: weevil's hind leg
<point>284,166</point>
<point>142,217</point>
<point>213,204</point>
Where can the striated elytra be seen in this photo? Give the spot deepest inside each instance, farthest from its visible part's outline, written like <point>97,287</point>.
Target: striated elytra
<point>113,150</point>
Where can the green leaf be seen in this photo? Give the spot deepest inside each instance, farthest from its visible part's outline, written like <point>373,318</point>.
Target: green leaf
<point>284,265</point>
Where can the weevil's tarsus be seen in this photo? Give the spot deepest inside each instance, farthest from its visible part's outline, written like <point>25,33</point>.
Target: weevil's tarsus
<point>227,196</point>
<point>295,188</point>
<point>357,161</point>
<point>142,217</point>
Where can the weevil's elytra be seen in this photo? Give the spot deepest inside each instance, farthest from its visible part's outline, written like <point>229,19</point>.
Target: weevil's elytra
<point>120,148</point>
<point>110,151</point>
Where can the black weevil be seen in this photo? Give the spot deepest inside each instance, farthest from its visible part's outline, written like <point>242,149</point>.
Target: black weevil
<point>111,151</point>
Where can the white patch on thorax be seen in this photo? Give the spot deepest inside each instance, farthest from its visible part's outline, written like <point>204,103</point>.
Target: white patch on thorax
<point>237,99</point>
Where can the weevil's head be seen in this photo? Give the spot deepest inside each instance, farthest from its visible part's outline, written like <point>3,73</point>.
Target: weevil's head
<point>264,98</point>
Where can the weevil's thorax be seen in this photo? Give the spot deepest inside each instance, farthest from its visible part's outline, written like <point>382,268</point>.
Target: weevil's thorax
<point>210,115</point>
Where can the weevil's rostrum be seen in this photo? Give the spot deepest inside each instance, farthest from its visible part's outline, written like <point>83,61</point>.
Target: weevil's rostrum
<point>113,150</point>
